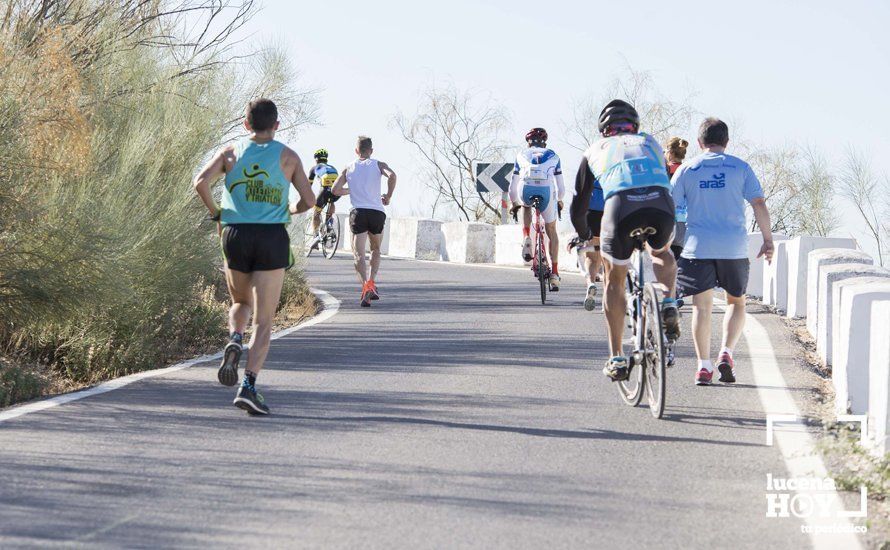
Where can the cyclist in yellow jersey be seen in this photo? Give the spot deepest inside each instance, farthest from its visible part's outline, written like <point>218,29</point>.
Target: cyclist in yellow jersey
<point>326,175</point>
<point>259,173</point>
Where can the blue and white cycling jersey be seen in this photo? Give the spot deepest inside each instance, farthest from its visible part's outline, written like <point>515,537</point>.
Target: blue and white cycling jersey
<point>537,166</point>
<point>627,161</point>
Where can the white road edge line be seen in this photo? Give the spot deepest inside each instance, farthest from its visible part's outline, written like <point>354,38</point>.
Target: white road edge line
<point>794,441</point>
<point>331,307</point>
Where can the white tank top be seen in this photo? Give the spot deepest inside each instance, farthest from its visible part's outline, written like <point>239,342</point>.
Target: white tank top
<point>363,177</point>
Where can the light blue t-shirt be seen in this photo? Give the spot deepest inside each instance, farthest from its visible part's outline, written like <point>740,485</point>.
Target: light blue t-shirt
<point>713,189</point>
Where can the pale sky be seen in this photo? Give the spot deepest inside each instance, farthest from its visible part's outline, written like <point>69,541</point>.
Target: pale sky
<point>811,72</point>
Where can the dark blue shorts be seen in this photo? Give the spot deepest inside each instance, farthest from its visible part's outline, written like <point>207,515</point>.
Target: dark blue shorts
<point>697,276</point>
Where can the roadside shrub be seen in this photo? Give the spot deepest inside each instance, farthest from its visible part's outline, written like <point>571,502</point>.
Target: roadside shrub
<point>107,109</point>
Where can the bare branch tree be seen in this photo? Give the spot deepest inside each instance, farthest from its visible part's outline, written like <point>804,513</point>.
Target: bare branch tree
<point>814,212</point>
<point>451,130</point>
<point>660,116</point>
<point>777,170</point>
<point>859,185</point>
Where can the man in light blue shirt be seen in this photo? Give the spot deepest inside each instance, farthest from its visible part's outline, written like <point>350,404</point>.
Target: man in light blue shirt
<point>713,188</point>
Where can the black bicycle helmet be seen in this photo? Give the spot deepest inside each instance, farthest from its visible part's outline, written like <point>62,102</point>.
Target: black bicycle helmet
<point>616,111</point>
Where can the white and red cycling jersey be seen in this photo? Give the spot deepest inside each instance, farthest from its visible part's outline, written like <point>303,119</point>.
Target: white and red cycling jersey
<point>538,171</point>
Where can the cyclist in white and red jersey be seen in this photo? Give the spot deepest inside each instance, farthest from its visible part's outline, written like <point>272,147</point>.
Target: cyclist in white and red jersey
<point>538,171</point>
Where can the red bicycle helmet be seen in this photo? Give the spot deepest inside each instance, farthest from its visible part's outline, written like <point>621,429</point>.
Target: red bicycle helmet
<point>536,135</point>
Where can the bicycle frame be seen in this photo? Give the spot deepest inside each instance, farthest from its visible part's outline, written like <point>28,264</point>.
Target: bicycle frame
<point>539,233</point>
<point>637,278</point>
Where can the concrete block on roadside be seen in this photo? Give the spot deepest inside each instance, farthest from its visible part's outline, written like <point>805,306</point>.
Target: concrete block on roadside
<point>508,244</point>
<point>756,275</point>
<point>417,238</point>
<point>826,301</point>
<point>825,257</point>
<point>469,242</point>
<point>852,340</point>
<point>798,251</point>
<point>775,278</point>
<point>879,377</point>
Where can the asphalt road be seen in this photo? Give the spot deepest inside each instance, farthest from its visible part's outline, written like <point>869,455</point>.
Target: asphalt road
<point>456,412</point>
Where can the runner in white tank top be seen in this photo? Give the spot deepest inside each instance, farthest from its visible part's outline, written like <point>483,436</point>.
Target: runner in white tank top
<point>361,181</point>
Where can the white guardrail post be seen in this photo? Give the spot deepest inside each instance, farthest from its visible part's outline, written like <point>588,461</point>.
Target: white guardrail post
<point>798,249</point>
<point>852,342</point>
<point>879,376</point>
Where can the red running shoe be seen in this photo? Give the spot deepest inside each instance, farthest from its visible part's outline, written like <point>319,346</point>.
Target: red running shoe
<point>726,368</point>
<point>703,377</point>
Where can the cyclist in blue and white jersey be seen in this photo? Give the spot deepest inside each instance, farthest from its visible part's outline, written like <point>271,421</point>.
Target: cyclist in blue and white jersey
<point>630,168</point>
<point>538,172</point>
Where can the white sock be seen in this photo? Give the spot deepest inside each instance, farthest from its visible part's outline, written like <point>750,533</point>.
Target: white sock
<point>727,351</point>
<point>706,364</point>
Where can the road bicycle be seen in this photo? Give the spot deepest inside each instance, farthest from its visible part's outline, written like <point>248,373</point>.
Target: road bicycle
<point>653,351</point>
<point>540,263</point>
<point>328,237</point>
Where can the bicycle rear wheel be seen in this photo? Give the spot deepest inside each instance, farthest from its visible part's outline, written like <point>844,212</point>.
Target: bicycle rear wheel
<point>331,240</point>
<point>655,355</point>
<point>542,268</point>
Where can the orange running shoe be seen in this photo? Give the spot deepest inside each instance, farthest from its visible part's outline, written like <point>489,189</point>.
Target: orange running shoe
<point>366,295</point>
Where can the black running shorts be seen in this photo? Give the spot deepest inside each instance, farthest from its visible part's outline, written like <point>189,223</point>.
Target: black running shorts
<point>366,220</point>
<point>325,197</point>
<point>636,209</point>
<point>697,276</point>
<point>594,221</point>
<point>249,247</point>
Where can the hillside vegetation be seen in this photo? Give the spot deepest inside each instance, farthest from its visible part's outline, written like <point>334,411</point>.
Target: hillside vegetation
<point>107,108</point>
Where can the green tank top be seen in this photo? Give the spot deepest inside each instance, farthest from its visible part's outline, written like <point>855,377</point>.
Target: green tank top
<point>256,190</point>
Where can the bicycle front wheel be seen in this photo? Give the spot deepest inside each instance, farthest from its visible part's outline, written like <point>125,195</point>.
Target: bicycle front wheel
<point>332,239</point>
<point>654,351</point>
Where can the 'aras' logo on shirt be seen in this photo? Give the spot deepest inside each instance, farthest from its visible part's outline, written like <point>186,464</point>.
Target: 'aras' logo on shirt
<point>718,182</point>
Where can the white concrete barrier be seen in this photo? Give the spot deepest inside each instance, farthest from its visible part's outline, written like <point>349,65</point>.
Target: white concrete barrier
<point>798,249</point>
<point>469,243</point>
<point>416,238</point>
<point>346,233</point>
<point>879,376</point>
<point>829,277</point>
<point>852,342</point>
<point>756,275</point>
<point>508,244</point>
<point>775,278</point>
<point>825,257</point>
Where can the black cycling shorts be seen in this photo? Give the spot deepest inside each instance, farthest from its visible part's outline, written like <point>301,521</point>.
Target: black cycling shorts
<point>249,247</point>
<point>697,276</point>
<point>636,209</point>
<point>325,197</point>
<point>366,220</point>
<point>594,221</point>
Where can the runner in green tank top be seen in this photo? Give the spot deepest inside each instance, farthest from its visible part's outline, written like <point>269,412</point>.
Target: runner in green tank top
<point>259,173</point>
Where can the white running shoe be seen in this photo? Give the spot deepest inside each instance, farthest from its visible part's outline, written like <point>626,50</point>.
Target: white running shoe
<point>590,300</point>
<point>554,282</point>
<point>527,249</point>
